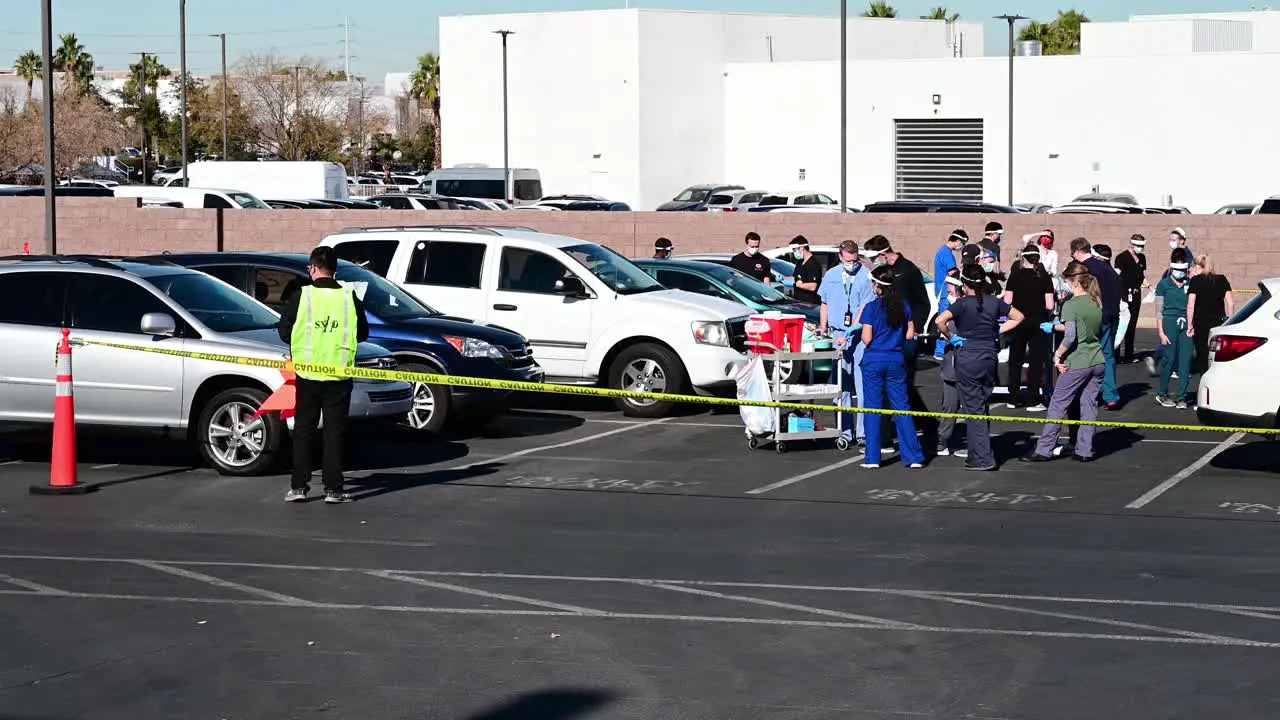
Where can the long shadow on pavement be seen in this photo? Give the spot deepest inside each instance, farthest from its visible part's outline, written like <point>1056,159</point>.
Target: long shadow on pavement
<point>1262,456</point>
<point>548,705</point>
<point>372,486</point>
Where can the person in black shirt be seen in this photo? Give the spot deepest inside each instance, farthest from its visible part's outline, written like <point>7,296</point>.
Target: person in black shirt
<point>1132,264</point>
<point>991,240</point>
<point>908,283</point>
<point>978,255</point>
<point>1030,291</point>
<point>1209,304</point>
<point>750,262</point>
<point>808,272</point>
<point>662,249</point>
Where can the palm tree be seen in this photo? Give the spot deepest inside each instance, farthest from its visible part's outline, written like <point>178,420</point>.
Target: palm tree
<point>1066,32</point>
<point>149,70</point>
<point>72,60</point>
<point>880,9</point>
<point>29,66</point>
<point>941,13</point>
<point>424,87</point>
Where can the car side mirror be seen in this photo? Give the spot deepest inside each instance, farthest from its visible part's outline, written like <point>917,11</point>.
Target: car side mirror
<point>571,287</point>
<point>159,324</point>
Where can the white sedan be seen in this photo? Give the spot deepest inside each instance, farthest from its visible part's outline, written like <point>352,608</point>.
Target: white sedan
<point>1242,385</point>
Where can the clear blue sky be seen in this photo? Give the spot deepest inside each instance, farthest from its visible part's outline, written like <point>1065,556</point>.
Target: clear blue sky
<point>387,35</point>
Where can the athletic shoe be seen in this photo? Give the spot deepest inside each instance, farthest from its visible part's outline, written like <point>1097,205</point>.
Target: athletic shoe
<point>869,466</point>
<point>1166,402</point>
<point>962,454</point>
<point>915,466</point>
<point>1038,407</point>
<point>335,498</point>
<point>295,496</point>
<point>1151,366</point>
<point>1174,376</point>
<point>1081,459</point>
<point>1113,406</point>
<point>1182,405</point>
<point>976,468</point>
<point>1035,458</point>
<point>943,452</point>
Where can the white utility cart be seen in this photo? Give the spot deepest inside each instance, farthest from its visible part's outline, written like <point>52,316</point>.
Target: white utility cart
<point>809,393</point>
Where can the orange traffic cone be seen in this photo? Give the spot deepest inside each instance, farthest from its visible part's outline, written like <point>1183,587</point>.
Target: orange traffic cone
<point>284,400</point>
<point>62,474</point>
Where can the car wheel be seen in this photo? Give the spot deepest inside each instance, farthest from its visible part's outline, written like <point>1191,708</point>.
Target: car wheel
<point>432,404</point>
<point>788,370</point>
<point>232,441</point>
<point>647,368</point>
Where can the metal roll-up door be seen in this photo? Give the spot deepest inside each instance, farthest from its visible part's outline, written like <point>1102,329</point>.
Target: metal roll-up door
<point>938,159</point>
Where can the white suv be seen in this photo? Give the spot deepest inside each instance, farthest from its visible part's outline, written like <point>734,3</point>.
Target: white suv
<point>1242,385</point>
<point>590,315</point>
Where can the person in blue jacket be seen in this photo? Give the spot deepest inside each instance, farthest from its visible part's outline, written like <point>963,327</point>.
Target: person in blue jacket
<point>886,328</point>
<point>944,261</point>
<point>844,290</point>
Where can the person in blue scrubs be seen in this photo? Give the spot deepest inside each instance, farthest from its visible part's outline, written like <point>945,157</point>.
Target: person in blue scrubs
<point>844,290</point>
<point>944,261</point>
<point>976,337</point>
<point>886,328</point>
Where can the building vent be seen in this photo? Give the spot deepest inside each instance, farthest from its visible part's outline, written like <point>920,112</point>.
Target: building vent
<point>1222,36</point>
<point>938,160</point>
<point>1028,48</point>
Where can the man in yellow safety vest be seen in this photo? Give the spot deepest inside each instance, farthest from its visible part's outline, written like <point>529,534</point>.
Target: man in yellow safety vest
<point>322,323</point>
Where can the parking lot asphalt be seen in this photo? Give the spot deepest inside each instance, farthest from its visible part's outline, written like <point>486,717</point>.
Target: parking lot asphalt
<point>567,562</point>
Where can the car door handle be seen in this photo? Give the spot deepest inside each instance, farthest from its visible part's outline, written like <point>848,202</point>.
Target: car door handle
<point>504,307</point>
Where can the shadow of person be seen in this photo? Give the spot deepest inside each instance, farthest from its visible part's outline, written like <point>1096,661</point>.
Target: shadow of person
<point>1261,455</point>
<point>384,483</point>
<point>548,705</point>
<point>516,424</point>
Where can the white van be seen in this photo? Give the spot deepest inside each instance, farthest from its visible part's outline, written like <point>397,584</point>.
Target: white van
<point>279,180</point>
<point>591,316</point>
<point>484,182</point>
<point>194,197</point>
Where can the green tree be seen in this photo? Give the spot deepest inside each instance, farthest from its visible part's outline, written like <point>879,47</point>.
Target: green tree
<point>74,62</point>
<point>149,70</point>
<point>29,66</point>
<point>880,9</point>
<point>1060,37</point>
<point>941,13</point>
<point>204,123</point>
<point>424,87</point>
<point>419,149</point>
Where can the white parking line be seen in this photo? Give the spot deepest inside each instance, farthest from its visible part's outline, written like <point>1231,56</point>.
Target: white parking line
<point>11,462</point>
<point>543,448</point>
<point>782,605</point>
<point>219,582</point>
<point>482,593</point>
<point>806,476</point>
<point>105,467</point>
<point>1184,473</point>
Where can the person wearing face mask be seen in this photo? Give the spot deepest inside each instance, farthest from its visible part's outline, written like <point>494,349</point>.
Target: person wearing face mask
<point>662,249</point>
<point>1109,286</point>
<point>976,337</point>
<point>845,289</point>
<point>991,240</point>
<point>1132,264</point>
<point>944,261</point>
<point>908,281</point>
<point>750,262</point>
<point>808,272</point>
<point>1030,290</point>
<point>979,256</point>
<point>886,328</point>
<point>1173,327</point>
<point>950,393</point>
<point>1178,239</point>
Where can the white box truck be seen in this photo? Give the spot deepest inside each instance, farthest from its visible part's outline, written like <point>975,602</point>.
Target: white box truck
<point>274,180</point>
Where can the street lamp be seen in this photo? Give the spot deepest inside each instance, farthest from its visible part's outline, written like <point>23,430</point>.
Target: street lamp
<point>142,94</point>
<point>506,134</point>
<point>46,85</point>
<point>225,143</point>
<point>1011,19</point>
<point>844,106</point>
<point>182,64</point>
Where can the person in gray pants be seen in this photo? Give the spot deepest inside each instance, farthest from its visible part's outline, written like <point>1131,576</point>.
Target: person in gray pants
<point>950,393</point>
<point>1080,361</point>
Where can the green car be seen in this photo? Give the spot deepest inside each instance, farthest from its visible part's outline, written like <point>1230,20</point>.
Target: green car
<point>718,281</point>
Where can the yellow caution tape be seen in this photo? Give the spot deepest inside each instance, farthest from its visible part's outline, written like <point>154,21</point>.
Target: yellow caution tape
<point>515,385</point>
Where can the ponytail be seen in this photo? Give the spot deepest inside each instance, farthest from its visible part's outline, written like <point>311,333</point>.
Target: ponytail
<point>1078,272</point>
<point>895,310</point>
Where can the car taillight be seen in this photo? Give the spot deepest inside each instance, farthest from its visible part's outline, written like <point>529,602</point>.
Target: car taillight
<point>731,209</point>
<point>1229,347</point>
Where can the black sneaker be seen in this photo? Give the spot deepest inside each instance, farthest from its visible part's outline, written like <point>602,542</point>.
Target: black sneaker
<point>335,498</point>
<point>1036,458</point>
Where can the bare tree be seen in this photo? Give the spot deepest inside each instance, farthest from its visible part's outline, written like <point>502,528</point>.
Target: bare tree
<point>17,145</point>
<point>83,128</point>
<point>297,105</point>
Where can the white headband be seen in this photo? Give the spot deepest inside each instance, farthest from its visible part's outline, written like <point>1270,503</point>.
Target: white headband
<point>954,281</point>
<point>1179,266</point>
<point>1137,242</point>
<point>880,282</point>
<point>1098,255</point>
<point>871,254</point>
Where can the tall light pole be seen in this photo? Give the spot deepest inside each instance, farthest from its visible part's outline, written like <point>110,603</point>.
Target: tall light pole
<point>182,64</point>
<point>359,124</point>
<point>506,133</point>
<point>844,106</point>
<point>225,139</point>
<point>142,93</point>
<point>1011,19</point>
<point>46,86</point>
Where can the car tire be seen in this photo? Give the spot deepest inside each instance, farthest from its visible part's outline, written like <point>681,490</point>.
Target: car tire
<point>432,404</point>
<point>231,411</point>
<point>652,367</point>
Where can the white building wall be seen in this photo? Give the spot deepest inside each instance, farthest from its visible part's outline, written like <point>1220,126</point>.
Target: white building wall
<point>1076,126</point>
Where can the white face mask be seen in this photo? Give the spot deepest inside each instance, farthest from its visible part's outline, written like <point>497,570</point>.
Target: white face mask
<point>849,267</point>
<point>750,251</point>
<point>1178,274</point>
<point>797,254</point>
<point>988,266</point>
<point>1137,250</point>
<point>1173,244</point>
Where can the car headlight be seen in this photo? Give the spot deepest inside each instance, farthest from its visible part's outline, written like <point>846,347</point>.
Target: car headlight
<point>711,333</point>
<point>473,348</point>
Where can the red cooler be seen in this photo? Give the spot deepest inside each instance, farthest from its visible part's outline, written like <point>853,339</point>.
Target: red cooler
<point>776,329</point>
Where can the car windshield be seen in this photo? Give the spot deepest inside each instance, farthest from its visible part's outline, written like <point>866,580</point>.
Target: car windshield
<point>782,267</point>
<point>245,200</point>
<point>748,287</point>
<point>693,195</point>
<point>612,269</point>
<point>382,298</point>
<point>217,305</point>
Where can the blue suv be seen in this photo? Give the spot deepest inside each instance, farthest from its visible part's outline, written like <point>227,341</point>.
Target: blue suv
<point>421,339</point>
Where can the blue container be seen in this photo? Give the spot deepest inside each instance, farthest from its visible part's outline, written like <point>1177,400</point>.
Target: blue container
<point>800,424</point>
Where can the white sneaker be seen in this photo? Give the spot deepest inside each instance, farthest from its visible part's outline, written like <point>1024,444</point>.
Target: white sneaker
<point>869,466</point>
<point>943,452</point>
<point>916,466</point>
<point>295,496</point>
<point>1038,407</point>
<point>1010,406</point>
<point>962,454</point>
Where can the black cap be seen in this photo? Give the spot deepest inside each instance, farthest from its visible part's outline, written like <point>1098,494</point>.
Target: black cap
<point>662,244</point>
<point>994,227</point>
<point>970,253</point>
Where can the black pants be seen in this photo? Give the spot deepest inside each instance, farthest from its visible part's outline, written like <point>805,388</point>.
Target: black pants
<point>1203,325</point>
<point>1135,307</point>
<point>333,399</point>
<point>1027,345</point>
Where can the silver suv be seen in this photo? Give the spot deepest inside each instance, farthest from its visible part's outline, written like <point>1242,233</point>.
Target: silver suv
<point>162,306</point>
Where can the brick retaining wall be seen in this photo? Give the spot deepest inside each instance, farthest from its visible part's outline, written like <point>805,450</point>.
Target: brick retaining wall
<point>1246,248</point>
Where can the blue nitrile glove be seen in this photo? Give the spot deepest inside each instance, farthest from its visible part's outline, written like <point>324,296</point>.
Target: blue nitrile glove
<point>788,282</point>
<point>1046,328</point>
<point>956,341</point>
<point>849,331</point>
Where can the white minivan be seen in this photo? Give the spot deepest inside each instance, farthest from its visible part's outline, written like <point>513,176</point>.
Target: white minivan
<point>193,197</point>
<point>591,316</point>
<point>482,181</point>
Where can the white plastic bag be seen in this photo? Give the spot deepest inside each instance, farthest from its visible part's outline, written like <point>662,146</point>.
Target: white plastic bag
<point>1123,326</point>
<point>753,384</point>
<point>1149,298</point>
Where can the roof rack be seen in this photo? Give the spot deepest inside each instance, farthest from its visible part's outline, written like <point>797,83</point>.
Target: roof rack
<point>477,229</point>
<point>89,260</point>
<point>106,260</point>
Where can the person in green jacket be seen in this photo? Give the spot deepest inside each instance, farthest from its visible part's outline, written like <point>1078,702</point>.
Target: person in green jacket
<point>1179,347</point>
